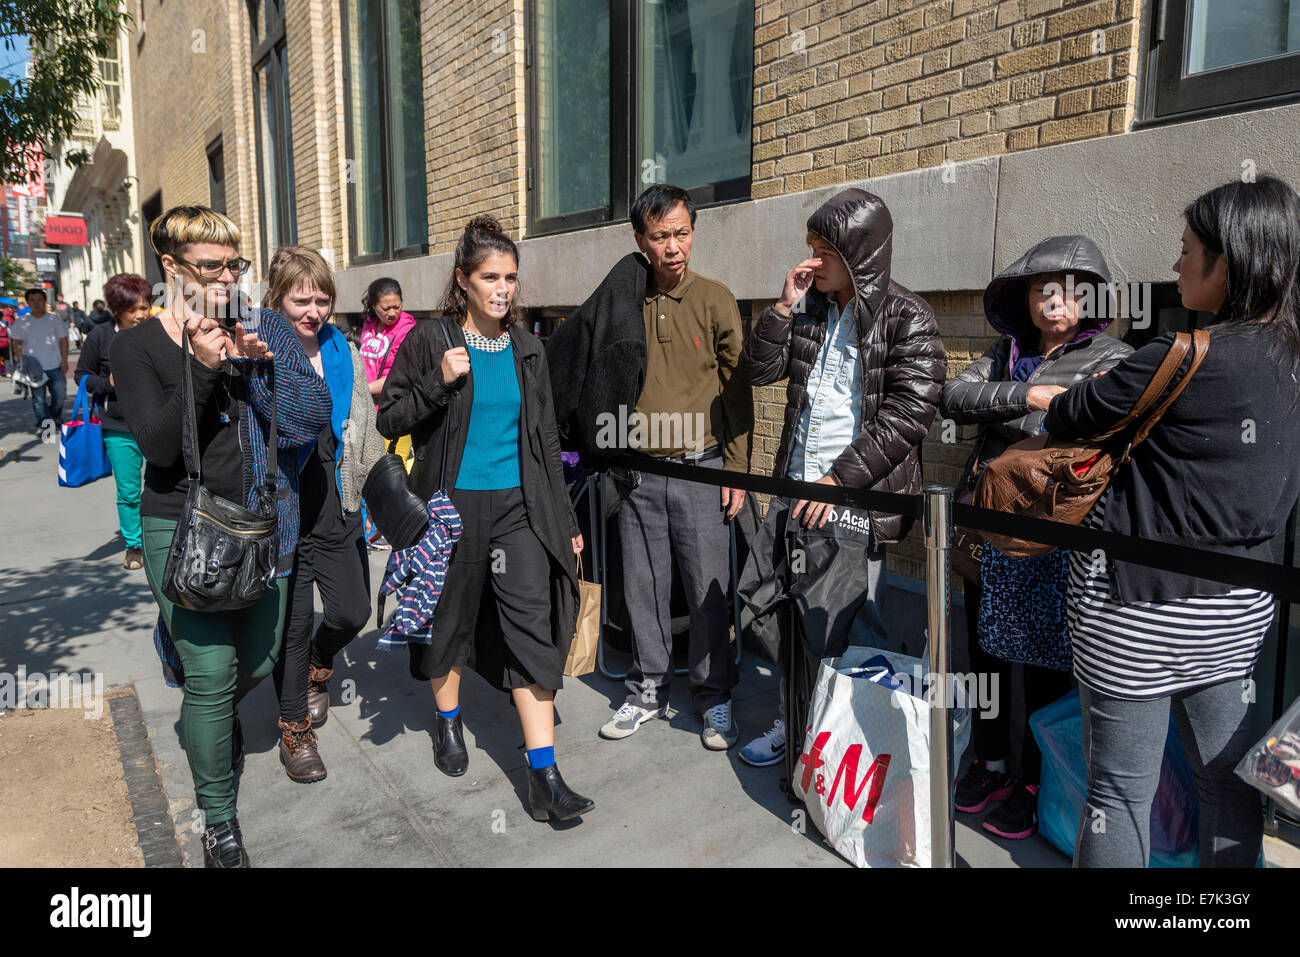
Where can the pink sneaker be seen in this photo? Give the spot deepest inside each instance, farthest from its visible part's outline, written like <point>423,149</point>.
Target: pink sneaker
<point>1017,817</point>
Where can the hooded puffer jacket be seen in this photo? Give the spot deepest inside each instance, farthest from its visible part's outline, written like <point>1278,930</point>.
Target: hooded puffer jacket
<point>984,391</point>
<point>902,357</point>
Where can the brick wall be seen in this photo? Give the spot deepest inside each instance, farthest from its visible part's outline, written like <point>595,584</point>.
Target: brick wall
<point>191,82</point>
<point>180,89</point>
<point>846,91</point>
<point>474,104</point>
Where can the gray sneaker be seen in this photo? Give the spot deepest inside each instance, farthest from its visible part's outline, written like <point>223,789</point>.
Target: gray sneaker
<point>627,719</point>
<point>719,732</point>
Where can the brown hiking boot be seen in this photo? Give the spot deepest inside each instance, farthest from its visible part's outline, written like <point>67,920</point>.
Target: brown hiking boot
<point>318,694</point>
<point>298,752</point>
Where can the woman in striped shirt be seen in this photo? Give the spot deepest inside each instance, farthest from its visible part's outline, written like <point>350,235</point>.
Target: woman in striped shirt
<point>1220,471</point>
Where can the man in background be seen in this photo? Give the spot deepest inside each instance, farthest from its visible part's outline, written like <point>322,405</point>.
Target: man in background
<point>43,336</point>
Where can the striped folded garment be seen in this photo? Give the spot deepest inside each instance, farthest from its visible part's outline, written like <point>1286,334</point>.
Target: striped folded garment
<point>416,575</point>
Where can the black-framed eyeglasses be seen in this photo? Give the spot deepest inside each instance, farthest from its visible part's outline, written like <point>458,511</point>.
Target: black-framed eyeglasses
<point>211,269</point>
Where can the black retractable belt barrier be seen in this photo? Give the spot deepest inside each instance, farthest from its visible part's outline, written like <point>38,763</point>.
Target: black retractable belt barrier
<point>1206,563</point>
<point>892,502</point>
<point>1279,580</point>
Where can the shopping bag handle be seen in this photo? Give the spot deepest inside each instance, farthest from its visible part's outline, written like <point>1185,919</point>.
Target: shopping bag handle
<point>83,402</point>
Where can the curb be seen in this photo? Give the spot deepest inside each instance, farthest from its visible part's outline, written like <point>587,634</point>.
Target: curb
<point>149,812</point>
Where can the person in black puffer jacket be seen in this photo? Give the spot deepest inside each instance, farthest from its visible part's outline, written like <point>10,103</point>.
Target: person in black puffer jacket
<point>1051,339</point>
<point>880,366</point>
<point>129,295</point>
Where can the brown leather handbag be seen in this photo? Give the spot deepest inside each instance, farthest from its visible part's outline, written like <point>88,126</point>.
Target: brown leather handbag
<point>1045,477</point>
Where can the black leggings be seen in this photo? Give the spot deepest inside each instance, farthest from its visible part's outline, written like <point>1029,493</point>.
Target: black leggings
<point>338,563</point>
<point>991,737</point>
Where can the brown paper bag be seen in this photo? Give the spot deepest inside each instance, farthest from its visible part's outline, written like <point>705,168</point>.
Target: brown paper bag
<point>582,650</point>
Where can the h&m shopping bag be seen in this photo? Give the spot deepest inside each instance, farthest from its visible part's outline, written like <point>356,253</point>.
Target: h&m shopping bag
<point>582,650</point>
<point>864,772</point>
<point>1063,789</point>
<point>82,457</point>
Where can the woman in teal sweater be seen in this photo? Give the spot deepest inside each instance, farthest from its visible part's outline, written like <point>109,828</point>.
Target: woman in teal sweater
<point>510,595</point>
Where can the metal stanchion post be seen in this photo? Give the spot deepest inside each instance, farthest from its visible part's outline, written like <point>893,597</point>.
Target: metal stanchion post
<point>938,542</point>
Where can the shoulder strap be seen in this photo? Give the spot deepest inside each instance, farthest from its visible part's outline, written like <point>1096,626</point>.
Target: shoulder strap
<point>189,430</point>
<point>446,429</point>
<point>1200,341</point>
<point>1160,381</point>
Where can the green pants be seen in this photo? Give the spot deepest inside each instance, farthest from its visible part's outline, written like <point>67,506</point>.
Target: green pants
<point>127,461</point>
<point>225,655</point>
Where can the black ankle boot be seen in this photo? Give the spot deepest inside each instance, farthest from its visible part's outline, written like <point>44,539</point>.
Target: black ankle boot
<point>549,796</point>
<point>237,746</point>
<point>223,845</point>
<point>449,752</point>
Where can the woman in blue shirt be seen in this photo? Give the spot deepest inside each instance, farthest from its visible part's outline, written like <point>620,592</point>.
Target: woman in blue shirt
<point>509,602</point>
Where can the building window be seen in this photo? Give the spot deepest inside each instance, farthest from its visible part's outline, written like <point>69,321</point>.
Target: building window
<point>110,75</point>
<point>217,176</point>
<point>276,203</point>
<point>84,128</point>
<point>626,93</point>
<point>388,192</point>
<point>1210,57</point>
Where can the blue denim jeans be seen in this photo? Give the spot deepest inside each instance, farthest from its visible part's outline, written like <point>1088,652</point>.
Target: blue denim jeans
<point>52,408</point>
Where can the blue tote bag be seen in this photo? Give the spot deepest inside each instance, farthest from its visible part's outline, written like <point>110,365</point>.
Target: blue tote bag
<point>82,456</point>
<point>1175,811</point>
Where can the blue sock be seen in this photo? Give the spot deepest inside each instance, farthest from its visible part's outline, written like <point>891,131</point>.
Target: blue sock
<point>450,714</point>
<point>539,758</point>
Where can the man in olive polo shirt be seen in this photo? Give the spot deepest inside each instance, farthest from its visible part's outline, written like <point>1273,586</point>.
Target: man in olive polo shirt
<point>694,407</point>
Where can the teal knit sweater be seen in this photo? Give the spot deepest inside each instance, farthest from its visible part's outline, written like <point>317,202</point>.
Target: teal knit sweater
<point>491,459</point>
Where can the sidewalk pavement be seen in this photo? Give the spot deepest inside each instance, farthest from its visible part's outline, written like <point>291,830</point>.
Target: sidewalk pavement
<point>66,604</point>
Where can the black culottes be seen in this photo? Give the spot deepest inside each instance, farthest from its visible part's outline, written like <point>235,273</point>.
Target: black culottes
<point>499,568</point>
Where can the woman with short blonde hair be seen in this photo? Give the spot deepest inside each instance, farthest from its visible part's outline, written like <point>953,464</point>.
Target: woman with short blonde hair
<point>224,654</point>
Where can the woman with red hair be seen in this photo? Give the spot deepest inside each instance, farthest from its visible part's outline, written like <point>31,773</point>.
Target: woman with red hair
<point>128,302</point>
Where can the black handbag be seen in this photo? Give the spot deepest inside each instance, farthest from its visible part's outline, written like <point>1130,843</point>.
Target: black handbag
<point>222,556</point>
<point>399,514</point>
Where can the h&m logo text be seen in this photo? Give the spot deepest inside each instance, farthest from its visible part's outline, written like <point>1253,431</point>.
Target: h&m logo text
<point>848,770</point>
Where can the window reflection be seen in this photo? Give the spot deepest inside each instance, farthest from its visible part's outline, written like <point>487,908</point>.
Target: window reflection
<point>696,83</point>
<point>572,90</point>
<point>1223,34</point>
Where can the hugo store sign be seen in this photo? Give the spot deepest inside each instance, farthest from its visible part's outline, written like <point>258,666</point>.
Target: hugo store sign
<point>65,230</point>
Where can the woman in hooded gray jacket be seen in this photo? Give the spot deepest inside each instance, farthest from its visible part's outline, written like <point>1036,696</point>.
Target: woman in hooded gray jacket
<point>1051,307</point>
